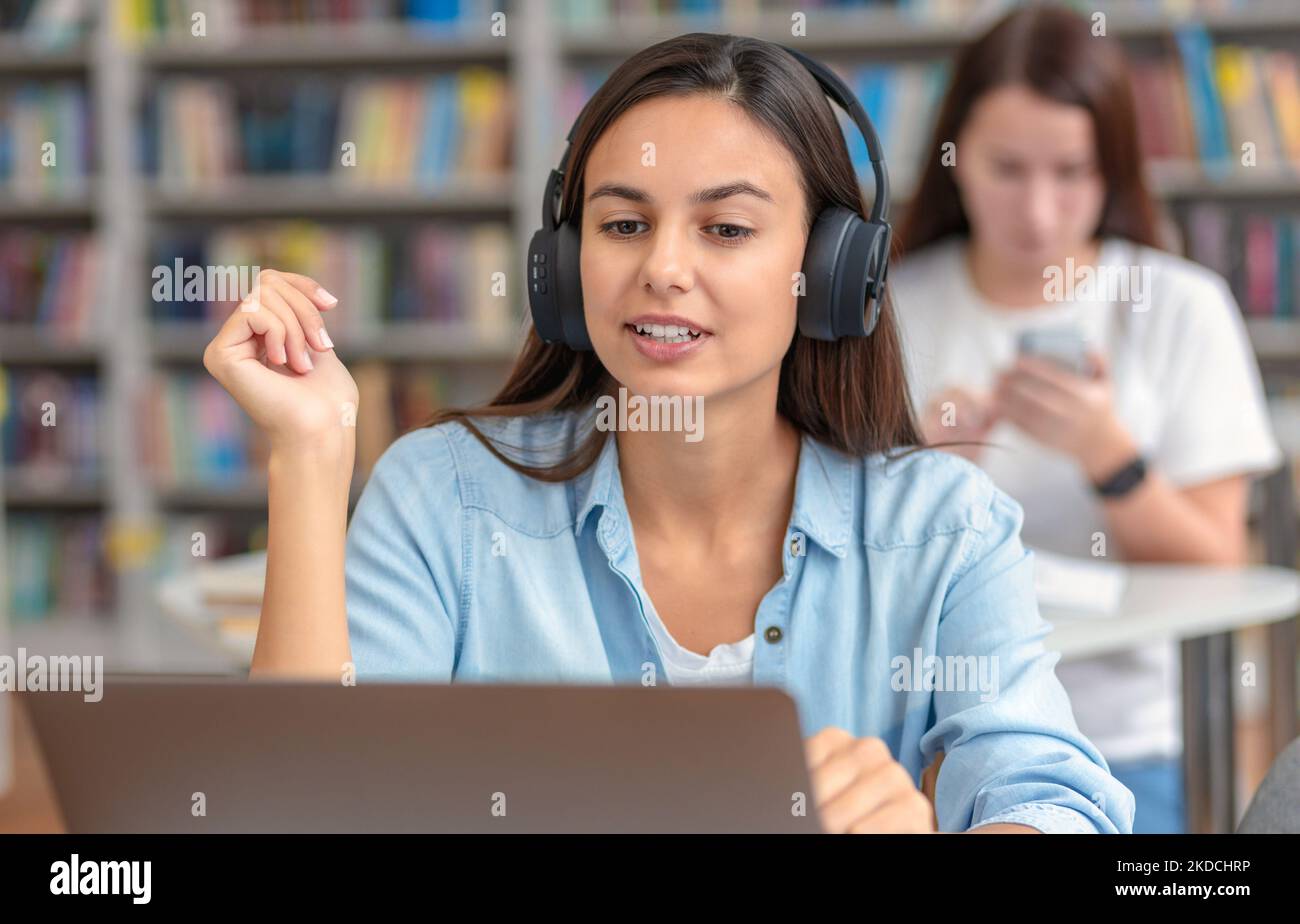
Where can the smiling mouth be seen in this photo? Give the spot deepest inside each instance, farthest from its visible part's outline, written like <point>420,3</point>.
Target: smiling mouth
<point>666,333</point>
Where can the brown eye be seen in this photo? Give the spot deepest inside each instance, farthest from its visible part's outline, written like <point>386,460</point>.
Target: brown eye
<point>741,232</point>
<point>607,228</point>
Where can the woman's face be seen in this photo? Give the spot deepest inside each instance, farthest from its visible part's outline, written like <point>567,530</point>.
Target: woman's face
<point>1028,176</point>
<point>692,212</point>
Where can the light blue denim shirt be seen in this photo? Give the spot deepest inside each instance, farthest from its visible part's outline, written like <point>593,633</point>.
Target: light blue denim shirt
<point>460,568</point>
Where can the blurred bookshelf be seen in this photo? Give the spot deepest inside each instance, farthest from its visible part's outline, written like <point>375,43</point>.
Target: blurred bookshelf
<point>180,146</point>
<point>223,149</point>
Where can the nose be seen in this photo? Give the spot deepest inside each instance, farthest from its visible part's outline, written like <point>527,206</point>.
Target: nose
<point>1039,204</point>
<point>669,259</point>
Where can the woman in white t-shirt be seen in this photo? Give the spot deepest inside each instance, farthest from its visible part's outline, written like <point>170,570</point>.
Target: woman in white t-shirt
<point>1031,214</point>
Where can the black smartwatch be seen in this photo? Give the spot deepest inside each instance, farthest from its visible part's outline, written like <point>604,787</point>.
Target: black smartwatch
<point>1128,477</point>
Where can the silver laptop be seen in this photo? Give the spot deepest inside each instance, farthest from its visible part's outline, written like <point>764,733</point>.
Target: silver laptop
<point>223,754</point>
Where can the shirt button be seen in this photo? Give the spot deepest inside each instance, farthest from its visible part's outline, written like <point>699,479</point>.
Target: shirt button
<point>772,634</point>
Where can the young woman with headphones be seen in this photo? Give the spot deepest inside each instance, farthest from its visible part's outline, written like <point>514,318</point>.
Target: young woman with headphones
<point>710,243</point>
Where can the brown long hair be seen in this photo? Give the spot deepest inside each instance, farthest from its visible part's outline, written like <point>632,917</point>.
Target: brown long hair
<point>851,393</point>
<point>1052,51</point>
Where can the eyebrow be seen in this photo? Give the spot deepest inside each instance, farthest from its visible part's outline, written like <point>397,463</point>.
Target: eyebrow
<point>700,197</point>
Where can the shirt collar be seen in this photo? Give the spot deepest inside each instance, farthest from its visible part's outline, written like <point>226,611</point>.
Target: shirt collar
<point>595,485</point>
<point>823,497</point>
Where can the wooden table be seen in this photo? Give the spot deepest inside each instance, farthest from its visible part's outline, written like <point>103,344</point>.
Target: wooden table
<point>29,807</point>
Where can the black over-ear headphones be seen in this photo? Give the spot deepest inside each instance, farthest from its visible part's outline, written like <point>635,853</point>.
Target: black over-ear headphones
<point>844,264</point>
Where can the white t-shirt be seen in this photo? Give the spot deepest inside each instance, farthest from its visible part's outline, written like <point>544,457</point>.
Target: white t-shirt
<point>729,664</point>
<point>1187,388</point>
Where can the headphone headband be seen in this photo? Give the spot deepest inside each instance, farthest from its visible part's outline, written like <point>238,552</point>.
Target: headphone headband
<point>831,85</point>
<point>837,90</point>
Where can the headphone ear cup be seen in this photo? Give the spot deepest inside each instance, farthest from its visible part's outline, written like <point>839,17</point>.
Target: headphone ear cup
<point>542,282</point>
<point>555,287</point>
<point>840,267</point>
<point>568,271</point>
<point>877,270</point>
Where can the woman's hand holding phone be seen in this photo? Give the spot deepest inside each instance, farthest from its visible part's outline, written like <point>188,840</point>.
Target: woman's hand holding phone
<point>274,356</point>
<point>1071,413</point>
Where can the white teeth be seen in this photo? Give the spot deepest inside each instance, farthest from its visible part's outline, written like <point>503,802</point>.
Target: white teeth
<point>667,333</point>
<point>664,330</point>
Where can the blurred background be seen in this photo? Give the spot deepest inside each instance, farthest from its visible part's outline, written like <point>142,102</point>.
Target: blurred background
<point>222,149</point>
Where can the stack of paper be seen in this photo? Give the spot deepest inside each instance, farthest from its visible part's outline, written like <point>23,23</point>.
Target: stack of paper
<point>221,600</point>
<point>236,579</point>
<point>1088,585</point>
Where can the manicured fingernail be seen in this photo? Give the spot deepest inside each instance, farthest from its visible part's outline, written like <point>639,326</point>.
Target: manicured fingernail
<point>306,356</point>
<point>325,339</point>
<point>326,297</point>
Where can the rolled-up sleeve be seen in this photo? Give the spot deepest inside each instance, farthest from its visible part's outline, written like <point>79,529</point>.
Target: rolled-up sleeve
<point>402,564</point>
<point>1012,750</point>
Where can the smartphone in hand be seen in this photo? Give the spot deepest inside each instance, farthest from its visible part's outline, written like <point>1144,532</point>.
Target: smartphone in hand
<point>1064,346</point>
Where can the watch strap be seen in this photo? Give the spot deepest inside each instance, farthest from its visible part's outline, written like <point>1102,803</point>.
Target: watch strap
<point>1124,480</point>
